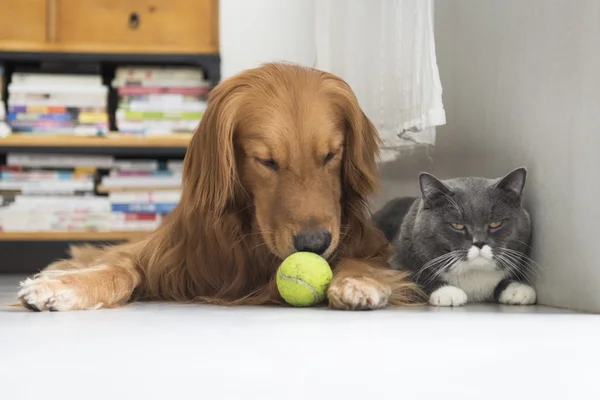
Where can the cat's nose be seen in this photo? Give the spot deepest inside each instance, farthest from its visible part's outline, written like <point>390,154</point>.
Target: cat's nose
<point>479,244</point>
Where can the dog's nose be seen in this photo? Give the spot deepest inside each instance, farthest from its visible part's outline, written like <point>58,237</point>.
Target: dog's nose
<point>314,240</point>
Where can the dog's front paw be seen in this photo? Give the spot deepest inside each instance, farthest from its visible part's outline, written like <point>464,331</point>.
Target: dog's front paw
<point>448,296</point>
<point>358,294</point>
<point>43,293</point>
<point>517,293</point>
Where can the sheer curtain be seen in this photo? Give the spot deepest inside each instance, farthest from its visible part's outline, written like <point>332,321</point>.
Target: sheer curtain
<point>385,50</point>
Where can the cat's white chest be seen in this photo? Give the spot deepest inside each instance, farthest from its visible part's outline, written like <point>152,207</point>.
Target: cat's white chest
<point>477,278</point>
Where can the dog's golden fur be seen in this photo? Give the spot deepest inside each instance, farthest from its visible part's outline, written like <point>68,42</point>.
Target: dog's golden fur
<point>281,148</point>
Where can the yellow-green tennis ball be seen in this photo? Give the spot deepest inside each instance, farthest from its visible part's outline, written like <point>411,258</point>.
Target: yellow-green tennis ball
<point>302,279</point>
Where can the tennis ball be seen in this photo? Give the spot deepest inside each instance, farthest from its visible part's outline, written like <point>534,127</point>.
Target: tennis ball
<point>302,279</point>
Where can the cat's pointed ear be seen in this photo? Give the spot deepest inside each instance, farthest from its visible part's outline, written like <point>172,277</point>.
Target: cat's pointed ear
<point>432,188</point>
<point>514,181</point>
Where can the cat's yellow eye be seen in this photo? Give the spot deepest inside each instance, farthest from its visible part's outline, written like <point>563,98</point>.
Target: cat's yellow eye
<point>458,227</point>
<point>495,224</point>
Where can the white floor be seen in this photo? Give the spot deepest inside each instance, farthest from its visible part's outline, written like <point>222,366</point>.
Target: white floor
<point>171,351</point>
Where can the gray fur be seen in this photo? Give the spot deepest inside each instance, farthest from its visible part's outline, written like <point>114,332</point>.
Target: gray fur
<point>391,215</point>
<point>426,232</point>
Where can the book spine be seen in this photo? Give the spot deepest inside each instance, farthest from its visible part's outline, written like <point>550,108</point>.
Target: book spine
<point>136,165</point>
<point>36,175</point>
<point>159,208</point>
<point>140,173</point>
<point>151,115</point>
<point>47,186</point>
<point>159,73</point>
<point>35,117</point>
<point>127,216</point>
<point>58,160</point>
<point>174,180</point>
<point>161,196</point>
<point>138,90</point>
<point>55,79</point>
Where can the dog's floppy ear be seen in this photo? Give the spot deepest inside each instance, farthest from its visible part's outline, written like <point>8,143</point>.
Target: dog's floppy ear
<point>209,171</point>
<point>361,144</point>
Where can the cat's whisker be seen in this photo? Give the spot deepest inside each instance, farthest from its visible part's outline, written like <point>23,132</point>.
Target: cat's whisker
<point>513,268</point>
<point>434,262</point>
<point>524,256</point>
<point>509,265</point>
<point>524,244</point>
<point>524,263</point>
<point>525,259</point>
<point>443,268</point>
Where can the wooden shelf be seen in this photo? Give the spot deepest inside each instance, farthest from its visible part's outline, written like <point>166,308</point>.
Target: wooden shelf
<point>112,140</point>
<point>69,236</point>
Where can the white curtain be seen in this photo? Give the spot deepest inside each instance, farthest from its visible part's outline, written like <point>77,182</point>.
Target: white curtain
<point>385,50</point>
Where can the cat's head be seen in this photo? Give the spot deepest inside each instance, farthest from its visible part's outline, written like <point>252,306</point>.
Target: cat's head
<point>478,220</point>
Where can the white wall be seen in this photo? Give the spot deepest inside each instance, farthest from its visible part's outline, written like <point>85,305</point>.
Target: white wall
<point>253,32</point>
<point>522,87</point>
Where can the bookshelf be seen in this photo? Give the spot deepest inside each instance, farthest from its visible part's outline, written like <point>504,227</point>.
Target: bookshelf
<point>75,37</point>
<point>113,139</point>
<point>173,145</point>
<point>70,236</point>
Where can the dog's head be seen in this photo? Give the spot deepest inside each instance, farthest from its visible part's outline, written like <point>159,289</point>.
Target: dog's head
<point>290,144</point>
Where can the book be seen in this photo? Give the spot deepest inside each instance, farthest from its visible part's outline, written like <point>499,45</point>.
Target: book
<point>69,100</point>
<point>159,208</point>
<point>151,127</point>
<point>49,89</point>
<point>135,165</point>
<point>49,186</point>
<point>48,103</point>
<point>156,106</point>
<point>158,115</point>
<point>161,99</point>
<point>37,175</point>
<point>59,160</point>
<point>199,91</point>
<point>146,181</point>
<point>137,73</point>
<point>158,196</point>
<point>33,79</point>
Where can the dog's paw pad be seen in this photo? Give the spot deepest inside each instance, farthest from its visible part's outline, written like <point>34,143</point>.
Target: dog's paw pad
<point>43,294</point>
<point>358,294</point>
<point>448,296</point>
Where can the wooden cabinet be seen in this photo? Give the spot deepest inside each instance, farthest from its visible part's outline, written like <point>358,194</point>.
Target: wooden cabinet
<point>110,26</point>
<point>23,23</point>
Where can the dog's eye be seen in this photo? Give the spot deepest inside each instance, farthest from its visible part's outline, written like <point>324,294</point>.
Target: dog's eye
<point>269,163</point>
<point>495,224</point>
<point>328,157</point>
<point>458,227</point>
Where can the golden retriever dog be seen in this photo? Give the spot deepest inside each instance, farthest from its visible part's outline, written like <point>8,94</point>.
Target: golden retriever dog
<point>284,160</point>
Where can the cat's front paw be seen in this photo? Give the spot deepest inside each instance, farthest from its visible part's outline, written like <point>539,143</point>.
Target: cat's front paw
<point>448,296</point>
<point>517,293</point>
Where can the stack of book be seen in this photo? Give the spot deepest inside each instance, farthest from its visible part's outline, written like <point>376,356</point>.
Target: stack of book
<point>159,100</point>
<point>4,129</point>
<point>141,192</point>
<point>72,104</point>
<point>58,193</point>
<point>43,193</point>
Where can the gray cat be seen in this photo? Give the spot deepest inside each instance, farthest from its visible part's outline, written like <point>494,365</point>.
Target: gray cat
<point>465,239</point>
